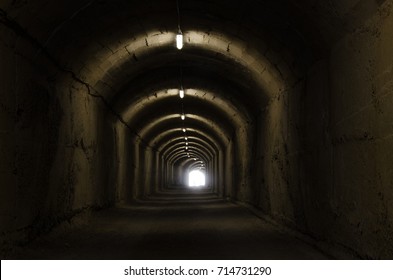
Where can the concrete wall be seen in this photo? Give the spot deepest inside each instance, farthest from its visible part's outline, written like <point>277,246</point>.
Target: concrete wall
<point>57,144</point>
<point>326,146</point>
<point>244,144</point>
<point>7,136</point>
<point>361,131</point>
<point>280,155</point>
<point>125,164</point>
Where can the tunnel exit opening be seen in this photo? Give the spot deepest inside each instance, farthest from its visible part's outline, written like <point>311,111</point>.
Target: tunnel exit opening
<point>196,178</point>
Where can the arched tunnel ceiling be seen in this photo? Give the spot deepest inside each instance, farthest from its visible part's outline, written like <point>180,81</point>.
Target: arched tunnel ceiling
<point>237,55</point>
<point>157,126</point>
<point>178,154</point>
<point>47,19</point>
<point>164,138</point>
<point>269,74</point>
<point>192,143</point>
<point>194,146</point>
<point>216,80</point>
<point>174,135</point>
<point>315,21</point>
<point>193,109</point>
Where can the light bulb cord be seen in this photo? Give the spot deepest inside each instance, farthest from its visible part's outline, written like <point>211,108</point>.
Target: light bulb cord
<point>178,16</point>
<point>181,78</point>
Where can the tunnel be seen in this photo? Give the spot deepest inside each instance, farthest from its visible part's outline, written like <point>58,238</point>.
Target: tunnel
<point>280,107</point>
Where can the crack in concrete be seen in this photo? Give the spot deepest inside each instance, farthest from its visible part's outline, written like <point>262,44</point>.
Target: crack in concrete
<point>22,32</point>
<point>127,51</point>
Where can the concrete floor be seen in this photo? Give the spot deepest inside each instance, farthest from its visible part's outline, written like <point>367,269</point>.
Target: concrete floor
<point>171,226</point>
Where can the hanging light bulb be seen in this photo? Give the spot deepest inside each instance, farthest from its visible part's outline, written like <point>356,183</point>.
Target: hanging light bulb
<point>186,148</point>
<point>183,117</point>
<point>181,93</point>
<point>179,36</point>
<point>179,40</point>
<point>186,138</point>
<point>184,130</point>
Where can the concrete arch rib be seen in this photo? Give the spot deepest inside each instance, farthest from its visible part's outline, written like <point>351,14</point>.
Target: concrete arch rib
<point>191,142</point>
<point>162,139</point>
<point>121,62</point>
<point>218,80</point>
<point>173,154</point>
<point>220,101</point>
<point>155,127</point>
<point>199,102</point>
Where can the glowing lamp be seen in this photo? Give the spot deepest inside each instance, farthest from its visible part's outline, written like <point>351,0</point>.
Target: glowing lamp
<point>179,41</point>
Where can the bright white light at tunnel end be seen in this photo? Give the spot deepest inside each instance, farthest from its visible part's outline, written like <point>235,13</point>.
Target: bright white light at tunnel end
<point>196,178</point>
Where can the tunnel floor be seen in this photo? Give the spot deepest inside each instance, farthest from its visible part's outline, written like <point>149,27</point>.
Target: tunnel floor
<point>171,226</point>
